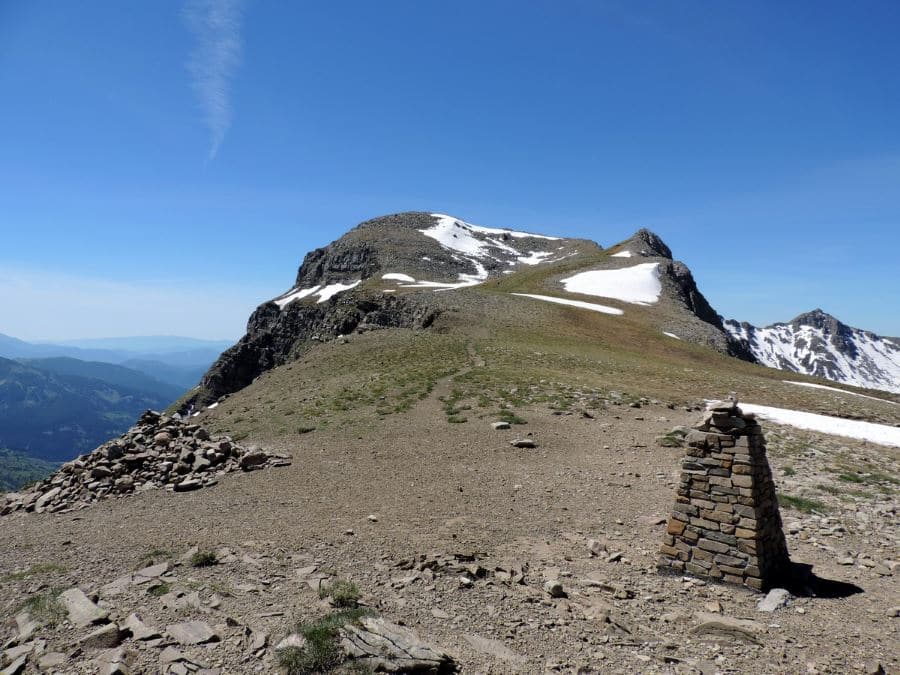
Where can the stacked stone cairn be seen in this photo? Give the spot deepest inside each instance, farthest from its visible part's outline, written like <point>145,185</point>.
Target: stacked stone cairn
<point>158,452</point>
<point>725,524</point>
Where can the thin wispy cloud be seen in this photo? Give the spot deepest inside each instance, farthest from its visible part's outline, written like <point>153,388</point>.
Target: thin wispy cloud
<point>216,25</point>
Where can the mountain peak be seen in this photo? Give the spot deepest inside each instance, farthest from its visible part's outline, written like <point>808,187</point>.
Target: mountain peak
<point>644,243</point>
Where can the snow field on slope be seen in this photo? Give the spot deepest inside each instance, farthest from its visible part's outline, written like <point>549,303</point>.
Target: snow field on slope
<point>573,303</point>
<point>837,426</point>
<point>639,285</point>
<point>812,385</point>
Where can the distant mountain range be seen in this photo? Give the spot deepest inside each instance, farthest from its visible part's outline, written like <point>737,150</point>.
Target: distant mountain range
<point>60,400</point>
<point>180,361</point>
<point>818,344</point>
<point>54,409</point>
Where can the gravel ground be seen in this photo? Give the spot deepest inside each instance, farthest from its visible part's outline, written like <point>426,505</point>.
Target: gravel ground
<point>456,500</point>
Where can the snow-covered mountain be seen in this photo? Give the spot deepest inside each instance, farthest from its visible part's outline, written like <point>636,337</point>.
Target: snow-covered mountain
<point>818,344</point>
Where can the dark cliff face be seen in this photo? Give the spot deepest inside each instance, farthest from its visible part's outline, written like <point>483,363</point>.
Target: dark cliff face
<point>681,282</point>
<point>274,336</point>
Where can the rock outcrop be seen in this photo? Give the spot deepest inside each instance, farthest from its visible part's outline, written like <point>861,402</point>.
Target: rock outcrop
<point>158,452</point>
<point>275,336</point>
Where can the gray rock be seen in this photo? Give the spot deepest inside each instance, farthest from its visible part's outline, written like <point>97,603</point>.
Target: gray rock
<point>720,626</point>
<point>294,640</point>
<point>82,612</point>
<point>192,633</point>
<point>16,667</point>
<point>104,637</point>
<point>387,647</point>
<point>140,630</point>
<point>774,600</point>
<point>500,426</point>
<point>523,443</point>
<point>52,660</point>
<point>253,459</point>
<point>151,572</point>
<point>554,589</point>
<point>188,485</point>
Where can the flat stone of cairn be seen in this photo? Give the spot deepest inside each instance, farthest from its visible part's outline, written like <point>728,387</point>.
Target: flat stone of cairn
<point>158,452</point>
<point>725,523</point>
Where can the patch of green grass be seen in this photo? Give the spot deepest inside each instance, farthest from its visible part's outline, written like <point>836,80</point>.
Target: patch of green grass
<point>34,570</point>
<point>789,471</point>
<point>45,607</point>
<point>159,590</point>
<point>457,419</point>
<point>321,653</point>
<point>506,415</point>
<point>304,429</point>
<point>204,559</point>
<point>802,504</point>
<point>343,593</point>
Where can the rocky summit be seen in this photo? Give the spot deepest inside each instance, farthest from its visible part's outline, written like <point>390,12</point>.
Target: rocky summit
<point>485,445</point>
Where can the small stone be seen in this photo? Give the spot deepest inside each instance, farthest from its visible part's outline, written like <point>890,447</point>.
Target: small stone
<point>774,600</point>
<point>596,548</point>
<point>52,660</point>
<point>523,443</point>
<point>372,518</point>
<point>294,640</point>
<point>82,612</point>
<point>15,667</point>
<point>500,426</point>
<point>192,633</point>
<point>140,630</point>
<point>188,485</point>
<point>104,637</point>
<point>554,589</point>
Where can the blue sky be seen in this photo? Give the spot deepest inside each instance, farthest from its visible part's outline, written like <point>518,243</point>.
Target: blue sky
<point>164,166</point>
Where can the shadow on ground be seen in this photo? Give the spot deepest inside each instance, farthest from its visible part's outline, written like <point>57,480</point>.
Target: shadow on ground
<point>803,582</point>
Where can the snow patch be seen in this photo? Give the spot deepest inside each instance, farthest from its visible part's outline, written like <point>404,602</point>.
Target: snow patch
<point>837,426</point>
<point>212,406</point>
<point>397,276</point>
<point>671,335</point>
<point>638,285</point>
<point>622,254</point>
<point>534,257</point>
<point>323,293</point>
<point>573,303</point>
<point>330,291</point>
<point>811,385</point>
<point>294,294</point>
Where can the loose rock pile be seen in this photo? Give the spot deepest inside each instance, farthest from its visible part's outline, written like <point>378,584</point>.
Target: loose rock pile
<point>158,452</point>
<point>725,524</point>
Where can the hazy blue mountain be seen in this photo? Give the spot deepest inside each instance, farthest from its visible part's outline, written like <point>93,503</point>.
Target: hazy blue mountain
<point>115,375</point>
<point>149,344</point>
<point>57,412</point>
<point>182,376</point>
<point>17,469</point>
<point>178,361</point>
